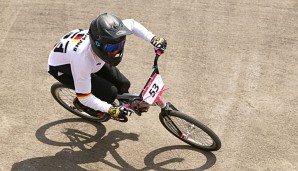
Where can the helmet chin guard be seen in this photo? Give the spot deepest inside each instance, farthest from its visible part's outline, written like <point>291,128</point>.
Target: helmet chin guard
<point>104,56</point>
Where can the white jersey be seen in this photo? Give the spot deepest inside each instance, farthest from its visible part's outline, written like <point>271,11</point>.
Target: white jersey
<point>75,49</point>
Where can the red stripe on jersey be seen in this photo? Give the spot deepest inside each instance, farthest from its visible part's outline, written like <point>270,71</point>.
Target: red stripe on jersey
<point>81,96</point>
<point>78,36</point>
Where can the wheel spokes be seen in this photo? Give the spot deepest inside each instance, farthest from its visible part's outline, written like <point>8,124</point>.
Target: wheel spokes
<point>190,132</point>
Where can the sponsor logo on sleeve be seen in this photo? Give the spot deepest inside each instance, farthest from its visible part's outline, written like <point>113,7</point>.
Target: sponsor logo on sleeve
<point>79,40</point>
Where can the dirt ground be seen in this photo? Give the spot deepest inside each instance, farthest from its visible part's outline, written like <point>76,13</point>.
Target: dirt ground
<point>231,64</point>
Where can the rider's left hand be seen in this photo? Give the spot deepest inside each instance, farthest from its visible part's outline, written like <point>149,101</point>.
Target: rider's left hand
<point>118,111</point>
<point>159,43</point>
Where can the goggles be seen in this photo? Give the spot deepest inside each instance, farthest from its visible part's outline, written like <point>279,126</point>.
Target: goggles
<point>110,47</point>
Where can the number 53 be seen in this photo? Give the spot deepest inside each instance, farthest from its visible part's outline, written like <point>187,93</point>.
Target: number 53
<point>153,90</point>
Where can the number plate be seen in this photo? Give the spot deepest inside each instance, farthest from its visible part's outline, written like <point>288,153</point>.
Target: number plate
<point>153,90</point>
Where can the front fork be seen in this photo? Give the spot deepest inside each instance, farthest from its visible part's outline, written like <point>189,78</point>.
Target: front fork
<point>165,112</point>
<point>165,106</point>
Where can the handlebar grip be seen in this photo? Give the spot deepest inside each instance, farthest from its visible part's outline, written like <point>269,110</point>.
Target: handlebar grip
<point>158,52</point>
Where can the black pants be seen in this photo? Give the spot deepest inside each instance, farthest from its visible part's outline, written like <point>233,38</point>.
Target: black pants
<point>105,84</point>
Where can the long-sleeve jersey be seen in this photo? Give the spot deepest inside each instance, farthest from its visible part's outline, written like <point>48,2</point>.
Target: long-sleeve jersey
<point>74,49</point>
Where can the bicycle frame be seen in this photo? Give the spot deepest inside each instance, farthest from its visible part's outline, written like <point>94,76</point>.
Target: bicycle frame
<point>139,97</point>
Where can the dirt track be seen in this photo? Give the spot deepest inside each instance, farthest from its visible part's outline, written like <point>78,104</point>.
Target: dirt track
<point>231,64</point>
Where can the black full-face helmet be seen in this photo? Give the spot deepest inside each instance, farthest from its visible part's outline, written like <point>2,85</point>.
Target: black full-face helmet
<point>107,37</point>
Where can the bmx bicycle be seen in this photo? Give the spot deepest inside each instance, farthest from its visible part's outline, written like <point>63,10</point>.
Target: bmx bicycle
<point>182,126</point>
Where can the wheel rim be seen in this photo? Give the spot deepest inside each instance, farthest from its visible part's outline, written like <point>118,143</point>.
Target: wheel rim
<point>66,97</point>
<point>190,132</point>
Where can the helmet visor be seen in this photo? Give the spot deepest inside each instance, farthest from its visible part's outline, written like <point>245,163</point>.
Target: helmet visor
<point>112,47</point>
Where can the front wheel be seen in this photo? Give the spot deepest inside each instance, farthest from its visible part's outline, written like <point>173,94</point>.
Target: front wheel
<point>65,96</point>
<point>190,130</point>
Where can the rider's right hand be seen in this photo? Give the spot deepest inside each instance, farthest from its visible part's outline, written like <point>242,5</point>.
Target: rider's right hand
<point>118,111</point>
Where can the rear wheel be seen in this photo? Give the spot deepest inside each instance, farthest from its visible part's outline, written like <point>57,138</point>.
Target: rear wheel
<point>65,96</point>
<point>190,130</point>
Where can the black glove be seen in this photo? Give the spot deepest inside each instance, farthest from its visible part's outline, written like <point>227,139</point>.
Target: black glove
<point>159,43</point>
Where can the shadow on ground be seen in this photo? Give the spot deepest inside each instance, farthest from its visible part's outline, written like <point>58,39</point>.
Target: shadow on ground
<point>68,159</point>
